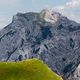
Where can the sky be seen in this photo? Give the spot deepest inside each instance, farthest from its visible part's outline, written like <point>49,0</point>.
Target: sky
<point>8,8</point>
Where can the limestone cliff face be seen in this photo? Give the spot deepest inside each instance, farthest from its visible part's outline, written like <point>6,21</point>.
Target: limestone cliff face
<point>48,36</point>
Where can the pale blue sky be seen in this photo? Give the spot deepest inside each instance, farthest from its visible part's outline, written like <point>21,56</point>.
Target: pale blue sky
<point>8,8</point>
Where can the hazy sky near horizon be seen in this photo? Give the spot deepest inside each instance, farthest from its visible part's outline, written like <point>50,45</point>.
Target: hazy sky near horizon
<point>8,8</point>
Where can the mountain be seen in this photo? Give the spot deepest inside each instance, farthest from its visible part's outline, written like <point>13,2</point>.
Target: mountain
<point>48,36</point>
<point>31,69</point>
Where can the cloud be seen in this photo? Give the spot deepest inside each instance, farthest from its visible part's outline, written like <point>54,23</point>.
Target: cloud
<point>73,3</point>
<point>68,9</point>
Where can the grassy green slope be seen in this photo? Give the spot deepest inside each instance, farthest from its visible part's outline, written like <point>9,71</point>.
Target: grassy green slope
<point>31,69</point>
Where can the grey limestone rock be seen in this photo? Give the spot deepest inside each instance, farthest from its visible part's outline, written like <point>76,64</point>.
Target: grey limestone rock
<point>34,35</point>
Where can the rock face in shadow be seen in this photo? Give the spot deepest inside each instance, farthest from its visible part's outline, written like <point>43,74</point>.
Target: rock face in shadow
<point>31,36</point>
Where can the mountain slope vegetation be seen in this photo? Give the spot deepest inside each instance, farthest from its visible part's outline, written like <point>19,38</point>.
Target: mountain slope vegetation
<point>32,69</point>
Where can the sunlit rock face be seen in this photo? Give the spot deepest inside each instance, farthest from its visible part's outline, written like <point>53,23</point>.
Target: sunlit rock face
<point>47,35</point>
<point>49,16</point>
<point>76,74</point>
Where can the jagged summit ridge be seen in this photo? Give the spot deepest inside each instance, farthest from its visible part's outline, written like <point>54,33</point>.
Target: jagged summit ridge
<point>50,16</point>
<point>44,15</point>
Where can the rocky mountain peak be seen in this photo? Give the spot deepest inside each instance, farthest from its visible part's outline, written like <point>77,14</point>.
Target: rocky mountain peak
<point>50,16</point>
<point>35,35</point>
